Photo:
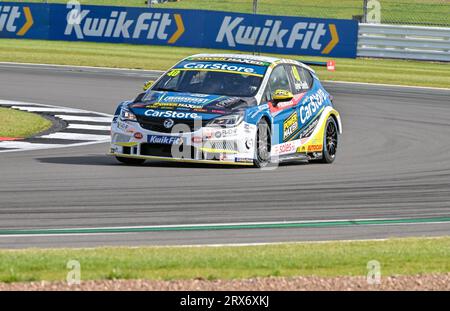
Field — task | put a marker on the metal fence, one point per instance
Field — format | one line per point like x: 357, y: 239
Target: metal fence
x: 406, y: 42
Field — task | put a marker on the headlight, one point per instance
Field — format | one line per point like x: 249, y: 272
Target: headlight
x: 227, y: 121
x: 127, y: 115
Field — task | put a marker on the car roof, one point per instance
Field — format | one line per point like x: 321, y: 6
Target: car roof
x: 259, y: 58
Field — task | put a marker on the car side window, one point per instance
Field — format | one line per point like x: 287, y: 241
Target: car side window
x: 301, y: 79
x: 308, y: 77
x: 279, y: 80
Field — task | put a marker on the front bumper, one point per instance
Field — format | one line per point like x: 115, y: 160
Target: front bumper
x: 233, y: 146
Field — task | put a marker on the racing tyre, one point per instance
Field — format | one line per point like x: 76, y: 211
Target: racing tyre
x: 330, y: 141
x: 130, y: 161
x: 263, y: 144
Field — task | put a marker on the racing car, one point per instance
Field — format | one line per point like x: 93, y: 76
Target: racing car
x: 229, y: 109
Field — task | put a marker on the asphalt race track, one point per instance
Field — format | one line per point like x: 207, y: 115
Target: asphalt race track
x: 393, y: 163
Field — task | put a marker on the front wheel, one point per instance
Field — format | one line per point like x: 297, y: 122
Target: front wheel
x: 263, y: 144
x: 130, y: 161
x: 330, y: 141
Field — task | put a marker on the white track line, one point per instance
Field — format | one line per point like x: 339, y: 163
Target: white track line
x: 76, y: 136
x: 12, y: 103
x: 23, y: 145
x: 85, y: 119
x: 89, y: 127
x: 388, y: 85
x: 47, y: 109
x: 89, y: 139
x: 24, y: 65
x: 18, y: 103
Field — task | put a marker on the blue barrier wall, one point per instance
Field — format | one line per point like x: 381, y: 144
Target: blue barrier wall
x: 188, y: 28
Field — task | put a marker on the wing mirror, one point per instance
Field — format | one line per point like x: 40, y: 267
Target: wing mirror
x: 148, y: 85
x: 281, y: 96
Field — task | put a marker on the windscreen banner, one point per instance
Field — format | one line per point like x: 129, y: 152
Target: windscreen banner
x: 185, y: 28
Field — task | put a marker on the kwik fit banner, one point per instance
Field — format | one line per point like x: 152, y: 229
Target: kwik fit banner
x: 188, y: 28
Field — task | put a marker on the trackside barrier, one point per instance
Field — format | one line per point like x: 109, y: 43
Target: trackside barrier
x: 406, y: 42
x: 186, y: 28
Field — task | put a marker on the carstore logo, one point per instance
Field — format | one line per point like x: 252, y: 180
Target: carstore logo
x: 117, y: 25
x: 11, y: 17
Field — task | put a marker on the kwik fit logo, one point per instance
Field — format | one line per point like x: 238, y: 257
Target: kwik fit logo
x: 118, y: 25
x: 15, y: 19
x: 302, y: 35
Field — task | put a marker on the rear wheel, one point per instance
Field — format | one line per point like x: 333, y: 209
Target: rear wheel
x: 130, y: 161
x: 263, y: 144
x: 330, y: 141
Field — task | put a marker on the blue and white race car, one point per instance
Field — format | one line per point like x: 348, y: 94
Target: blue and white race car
x: 229, y: 109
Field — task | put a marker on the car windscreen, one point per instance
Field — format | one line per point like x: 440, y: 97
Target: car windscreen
x: 220, y: 78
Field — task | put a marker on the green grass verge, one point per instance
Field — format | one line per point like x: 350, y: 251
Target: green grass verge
x: 162, y: 57
x: 397, y: 257
x: 392, y: 11
x: 15, y: 123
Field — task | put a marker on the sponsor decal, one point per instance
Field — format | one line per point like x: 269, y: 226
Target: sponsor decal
x: 137, y: 106
x: 309, y: 129
x: 138, y: 135
x: 298, y: 83
x: 168, y: 123
x: 223, y: 66
x: 185, y: 99
x: 122, y: 125
x: 219, y: 66
x: 286, y: 148
x: 245, y: 160
x: 290, y: 126
x: 11, y: 21
x: 230, y: 59
x: 166, y: 140
x: 197, y: 139
x: 194, y: 101
x: 313, y: 104
x: 225, y: 133
x: 171, y: 114
x: 313, y: 148
x: 172, y: 105
x: 200, y: 110
x: 218, y: 111
x: 226, y: 102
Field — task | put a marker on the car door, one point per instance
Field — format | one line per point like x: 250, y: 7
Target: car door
x: 285, y: 118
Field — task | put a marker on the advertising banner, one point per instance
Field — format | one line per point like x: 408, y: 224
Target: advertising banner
x: 185, y: 28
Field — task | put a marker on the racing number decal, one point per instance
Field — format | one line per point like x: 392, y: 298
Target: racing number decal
x: 174, y: 73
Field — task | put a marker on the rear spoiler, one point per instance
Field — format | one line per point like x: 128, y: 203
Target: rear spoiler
x: 331, y: 65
